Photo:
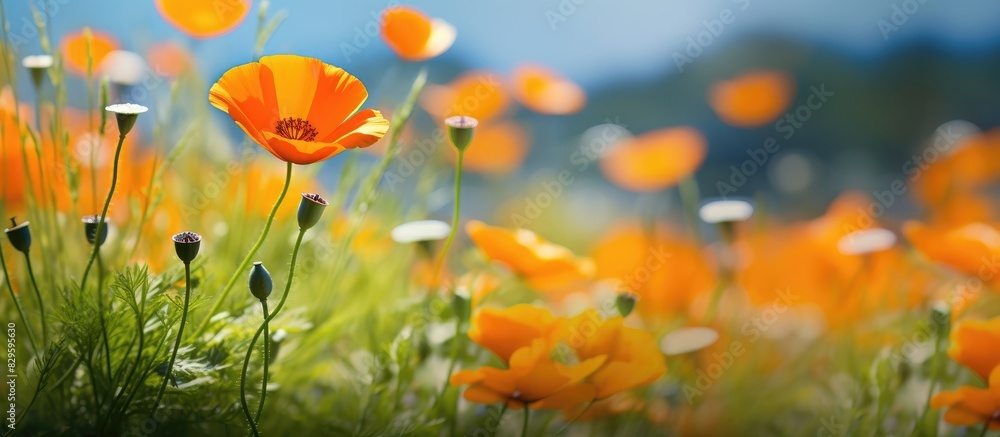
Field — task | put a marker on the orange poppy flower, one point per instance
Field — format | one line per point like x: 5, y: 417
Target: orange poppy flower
x: 963, y: 248
x: 973, y: 345
x: 496, y: 148
x: 969, y: 406
x: 477, y: 94
x: 655, y: 160
x: 504, y: 331
x: 532, y: 378
x: 633, y: 357
x: 543, y: 265
x: 204, y: 19
x: 75, y: 54
x: 168, y: 58
x: 299, y: 109
x: 413, y: 35
x: 545, y: 91
x: 752, y: 99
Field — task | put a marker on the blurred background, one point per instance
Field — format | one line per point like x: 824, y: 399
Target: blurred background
x: 897, y: 70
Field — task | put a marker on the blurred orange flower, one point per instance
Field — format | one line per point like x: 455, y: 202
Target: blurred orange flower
x: 204, y: 19
x: 413, y: 35
x: 969, y: 406
x: 973, y: 345
x: 543, y: 265
x: 752, y: 99
x: 532, y: 378
x: 633, y: 356
x: 496, y: 148
x: 75, y: 54
x: 503, y: 331
x: 655, y: 160
x: 299, y: 109
x: 479, y: 285
x: 477, y: 94
x: 545, y: 91
x: 965, y: 248
x: 168, y: 58
x: 947, y: 185
x: 666, y: 271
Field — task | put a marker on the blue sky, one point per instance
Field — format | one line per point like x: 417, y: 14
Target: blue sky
x: 592, y: 41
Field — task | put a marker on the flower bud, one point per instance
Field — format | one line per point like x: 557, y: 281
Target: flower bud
x: 187, y: 244
x: 460, y: 129
x: 126, y: 115
x: 90, y: 229
x: 625, y: 303
x: 310, y: 210
x: 260, y: 281
x: 37, y: 66
x: 19, y: 235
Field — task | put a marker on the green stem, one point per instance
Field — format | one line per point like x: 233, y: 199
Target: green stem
x: 267, y: 359
x: 986, y: 427
x: 256, y: 335
x: 454, y: 221
x: 41, y: 302
x: 503, y: 410
x: 574, y: 419
x: 452, y: 361
x: 17, y: 302
x: 180, y: 335
x: 688, y: 189
x: 100, y: 309
x: 253, y: 251
x: 140, y: 324
x: 527, y: 416
x: 104, y: 212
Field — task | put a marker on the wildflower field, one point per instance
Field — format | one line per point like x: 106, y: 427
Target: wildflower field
x: 266, y: 250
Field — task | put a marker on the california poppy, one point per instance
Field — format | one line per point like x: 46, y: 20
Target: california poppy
x: 969, y: 406
x: 545, y: 91
x: 545, y: 266
x: 413, y: 35
x: 204, y: 19
x: 75, y: 54
x: 532, y: 378
x: 298, y: 108
x: 752, y: 99
x: 504, y: 331
x: 477, y: 94
x: 973, y: 345
x: 633, y: 358
x: 655, y: 160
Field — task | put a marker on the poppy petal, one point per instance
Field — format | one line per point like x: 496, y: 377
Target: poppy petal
x: 298, y: 151
x: 362, y: 130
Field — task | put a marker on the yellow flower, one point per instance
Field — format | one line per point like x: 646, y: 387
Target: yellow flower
x: 633, y: 358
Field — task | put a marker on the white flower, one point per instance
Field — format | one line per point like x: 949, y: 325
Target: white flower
x: 127, y: 108
x: 421, y: 230
x: 687, y: 340
x: 37, y: 61
x: 123, y: 67
x: 461, y: 121
x: 721, y: 211
x: 866, y: 241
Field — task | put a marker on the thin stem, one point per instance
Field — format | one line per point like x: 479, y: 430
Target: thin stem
x: 100, y: 309
x: 267, y: 359
x: 527, y: 416
x: 104, y: 212
x: 574, y: 419
x: 454, y: 221
x: 41, y: 302
x: 253, y: 251
x: 986, y: 427
x: 256, y: 335
x: 503, y: 410
x: 180, y: 335
x: 17, y: 302
x: 689, y: 199
x: 452, y: 361
x: 140, y: 324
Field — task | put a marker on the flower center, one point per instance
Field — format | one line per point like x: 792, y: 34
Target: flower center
x: 296, y: 129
